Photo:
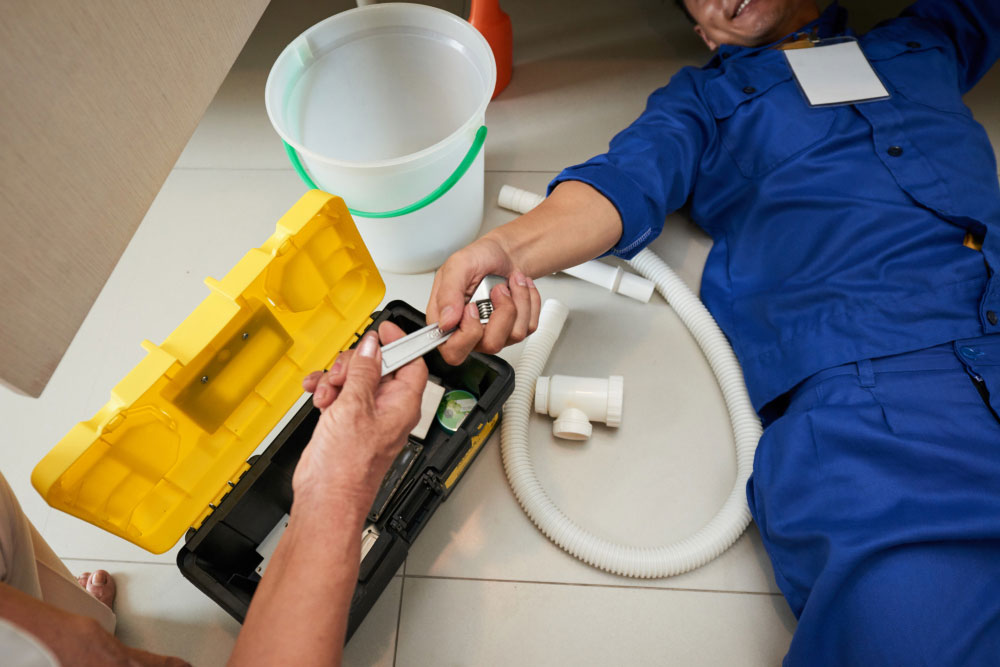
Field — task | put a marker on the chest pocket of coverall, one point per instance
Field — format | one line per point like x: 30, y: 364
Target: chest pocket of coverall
x: 897, y: 60
x: 762, y: 118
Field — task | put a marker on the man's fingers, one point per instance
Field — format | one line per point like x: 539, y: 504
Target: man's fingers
x: 465, y: 338
x: 310, y: 381
x: 330, y: 383
x: 536, y: 306
x: 364, y: 370
x: 413, y: 374
x: 501, y: 321
x: 520, y: 293
x: 389, y: 332
x: 448, y: 295
x: 432, y: 306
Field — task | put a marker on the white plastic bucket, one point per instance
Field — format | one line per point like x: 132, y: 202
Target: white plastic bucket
x: 382, y: 103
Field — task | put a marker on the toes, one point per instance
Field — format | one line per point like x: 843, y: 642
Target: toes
x: 83, y: 579
x: 102, y: 587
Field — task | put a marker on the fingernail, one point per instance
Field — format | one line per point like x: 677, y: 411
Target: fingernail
x: 504, y: 290
x: 472, y: 311
x: 520, y: 279
x: 531, y: 283
x: 369, y: 345
x: 100, y: 578
x: 321, y: 393
x: 336, y: 366
x: 448, y: 310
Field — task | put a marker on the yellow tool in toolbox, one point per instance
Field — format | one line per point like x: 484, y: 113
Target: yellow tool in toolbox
x: 179, y: 427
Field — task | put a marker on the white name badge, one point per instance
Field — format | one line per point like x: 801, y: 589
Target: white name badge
x: 835, y: 72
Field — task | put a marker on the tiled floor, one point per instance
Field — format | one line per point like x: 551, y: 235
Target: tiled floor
x: 481, y: 586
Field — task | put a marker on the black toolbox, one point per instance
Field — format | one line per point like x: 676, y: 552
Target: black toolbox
x: 221, y: 556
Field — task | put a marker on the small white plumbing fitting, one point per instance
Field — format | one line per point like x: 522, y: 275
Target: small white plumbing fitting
x: 518, y: 200
x: 576, y: 401
x: 614, y: 279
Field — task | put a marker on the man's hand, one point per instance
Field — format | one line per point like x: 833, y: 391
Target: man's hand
x: 575, y: 223
x: 515, y: 307
x: 92, y: 645
x: 364, y: 423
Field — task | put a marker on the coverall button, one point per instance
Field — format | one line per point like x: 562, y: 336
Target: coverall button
x: 991, y: 315
x: 895, y: 151
x: 968, y: 352
x: 749, y: 90
x: 913, y: 45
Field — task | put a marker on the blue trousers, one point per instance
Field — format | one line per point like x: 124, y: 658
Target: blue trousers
x: 877, y: 495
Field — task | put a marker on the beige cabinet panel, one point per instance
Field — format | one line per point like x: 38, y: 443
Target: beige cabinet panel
x: 97, y: 100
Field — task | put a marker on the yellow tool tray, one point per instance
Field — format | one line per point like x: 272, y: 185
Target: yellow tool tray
x: 158, y: 457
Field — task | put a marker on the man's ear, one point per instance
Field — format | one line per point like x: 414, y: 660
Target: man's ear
x: 708, y: 42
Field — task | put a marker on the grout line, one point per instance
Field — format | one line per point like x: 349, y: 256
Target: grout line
x: 120, y: 561
x: 399, y: 616
x: 229, y: 168
x: 618, y: 586
x: 555, y: 172
x: 284, y: 170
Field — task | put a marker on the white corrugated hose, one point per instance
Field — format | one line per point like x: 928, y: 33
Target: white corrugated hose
x: 642, y: 562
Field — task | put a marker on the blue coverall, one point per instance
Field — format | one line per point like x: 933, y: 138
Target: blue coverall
x: 845, y: 272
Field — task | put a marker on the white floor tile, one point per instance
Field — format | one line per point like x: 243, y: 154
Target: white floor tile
x: 374, y: 643
x: 591, y: 30
x: 642, y: 493
x: 449, y: 622
x: 159, y: 611
x: 555, y: 113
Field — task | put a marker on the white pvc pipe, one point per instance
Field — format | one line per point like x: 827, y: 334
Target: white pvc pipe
x: 518, y: 200
x: 613, y: 279
x: 644, y: 562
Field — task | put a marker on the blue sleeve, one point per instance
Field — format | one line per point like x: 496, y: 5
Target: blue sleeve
x: 972, y: 26
x: 650, y: 167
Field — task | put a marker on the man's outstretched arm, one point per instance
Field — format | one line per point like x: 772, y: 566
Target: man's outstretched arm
x: 616, y: 201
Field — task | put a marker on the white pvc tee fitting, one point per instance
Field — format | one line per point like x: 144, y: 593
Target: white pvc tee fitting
x: 576, y: 401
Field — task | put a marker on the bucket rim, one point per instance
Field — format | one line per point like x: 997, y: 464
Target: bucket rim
x: 469, y: 127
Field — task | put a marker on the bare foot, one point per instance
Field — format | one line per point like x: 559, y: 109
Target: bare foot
x: 99, y: 584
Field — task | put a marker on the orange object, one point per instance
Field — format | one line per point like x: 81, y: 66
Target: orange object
x: 487, y: 17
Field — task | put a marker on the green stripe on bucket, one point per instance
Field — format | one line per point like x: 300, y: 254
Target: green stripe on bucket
x: 463, y: 166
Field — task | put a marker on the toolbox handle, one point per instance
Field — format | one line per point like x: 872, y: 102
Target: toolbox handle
x: 463, y: 166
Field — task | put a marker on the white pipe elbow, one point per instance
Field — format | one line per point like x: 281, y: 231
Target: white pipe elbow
x: 575, y: 402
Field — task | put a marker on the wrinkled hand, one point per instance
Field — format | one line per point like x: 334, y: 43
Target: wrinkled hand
x: 515, y: 306
x: 87, y: 643
x: 364, y: 422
